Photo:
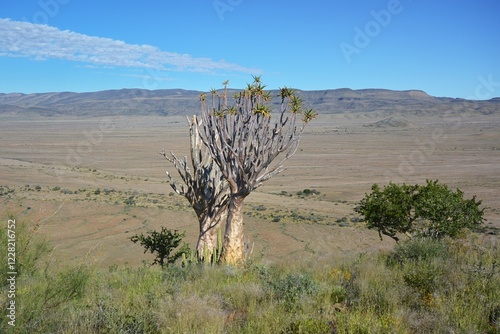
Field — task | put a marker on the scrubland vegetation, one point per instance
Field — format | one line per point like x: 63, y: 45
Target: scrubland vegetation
x: 421, y: 286
x: 443, y: 278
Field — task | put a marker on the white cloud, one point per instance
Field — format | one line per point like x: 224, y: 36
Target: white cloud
x: 40, y: 42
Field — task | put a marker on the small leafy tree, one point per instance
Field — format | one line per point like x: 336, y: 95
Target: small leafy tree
x: 432, y: 210
x: 163, y: 244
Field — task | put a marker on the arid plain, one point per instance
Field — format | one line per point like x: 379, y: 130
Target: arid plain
x: 92, y: 183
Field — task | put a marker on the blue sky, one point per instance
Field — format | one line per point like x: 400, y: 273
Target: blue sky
x: 446, y: 48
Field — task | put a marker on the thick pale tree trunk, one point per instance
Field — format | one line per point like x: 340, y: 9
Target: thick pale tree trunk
x: 207, y: 240
x: 233, y: 247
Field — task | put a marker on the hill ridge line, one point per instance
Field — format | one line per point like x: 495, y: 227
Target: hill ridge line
x: 136, y: 101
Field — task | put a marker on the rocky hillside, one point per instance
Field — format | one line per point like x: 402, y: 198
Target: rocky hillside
x: 185, y: 102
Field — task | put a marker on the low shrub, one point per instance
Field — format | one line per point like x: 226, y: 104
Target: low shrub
x: 418, y: 249
x: 289, y: 288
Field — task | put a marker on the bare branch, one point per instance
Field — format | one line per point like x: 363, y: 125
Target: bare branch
x: 203, y: 184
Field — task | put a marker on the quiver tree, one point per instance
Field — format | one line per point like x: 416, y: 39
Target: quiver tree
x: 204, y: 186
x: 244, y: 140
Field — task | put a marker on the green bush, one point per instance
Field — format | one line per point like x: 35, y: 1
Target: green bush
x: 431, y: 211
x: 130, y: 201
x: 416, y: 250
x: 422, y: 277
x: 163, y: 244
x: 290, y: 288
x: 308, y: 192
x: 338, y: 294
x: 4, y: 190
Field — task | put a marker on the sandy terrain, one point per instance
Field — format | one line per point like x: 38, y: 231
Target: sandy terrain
x: 102, y: 180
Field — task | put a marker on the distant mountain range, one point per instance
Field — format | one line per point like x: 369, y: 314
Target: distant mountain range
x: 186, y: 102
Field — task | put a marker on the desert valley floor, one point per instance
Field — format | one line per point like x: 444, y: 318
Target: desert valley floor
x: 91, y: 184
